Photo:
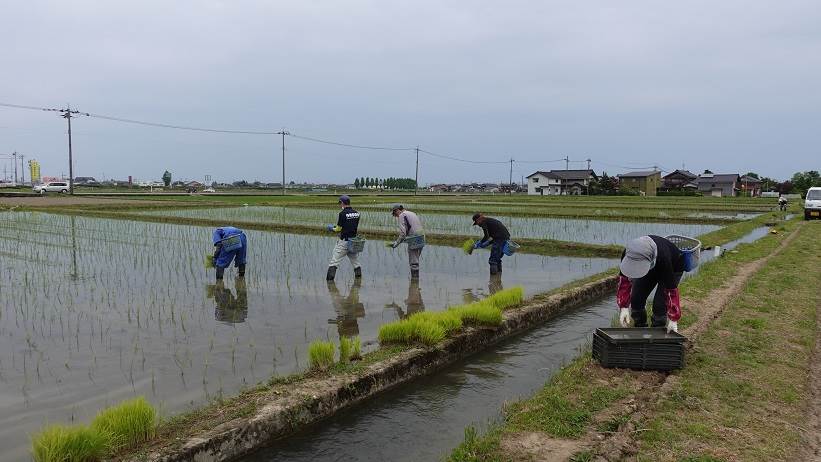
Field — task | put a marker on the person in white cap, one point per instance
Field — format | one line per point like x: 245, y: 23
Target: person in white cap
x: 650, y: 262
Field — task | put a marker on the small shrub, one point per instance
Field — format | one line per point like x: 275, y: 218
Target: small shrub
x: 59, y: 443
x: 344, y: 349
x: 321, y: 354
x: 356, y: 350
x: 128, y: 423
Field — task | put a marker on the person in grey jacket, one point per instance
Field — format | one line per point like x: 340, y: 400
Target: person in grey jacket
x: 409, y: 225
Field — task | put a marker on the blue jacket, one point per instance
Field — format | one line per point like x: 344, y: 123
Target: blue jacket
x: 223, y: 232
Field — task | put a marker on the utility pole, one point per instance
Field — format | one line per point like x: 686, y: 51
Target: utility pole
x: 14, y: 159
x: 510, y: 179
x: 416, y: 186
x: 68, y: 114
x: 283, y: 133
x: 22, y: 169
x: 588, y: 163
x: 567, y: 162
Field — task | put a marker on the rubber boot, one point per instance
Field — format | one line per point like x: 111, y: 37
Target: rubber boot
x: 242, y: 271
x: 414, y: 274
x: 357, y: 272
x: 331, y: 273
x: 494, y: 268
x: 220, y: 272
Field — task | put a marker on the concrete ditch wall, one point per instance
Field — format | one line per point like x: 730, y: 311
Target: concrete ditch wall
x: 317, y: 399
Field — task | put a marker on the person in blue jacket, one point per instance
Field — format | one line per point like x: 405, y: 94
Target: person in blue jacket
x: 230, y: 244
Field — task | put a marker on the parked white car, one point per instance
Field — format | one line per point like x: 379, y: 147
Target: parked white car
x: 209, y: 190
x: 52, y: 186
x: 812, y: 203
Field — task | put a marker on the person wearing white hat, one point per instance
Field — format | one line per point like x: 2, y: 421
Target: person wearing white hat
x: 650, y: 262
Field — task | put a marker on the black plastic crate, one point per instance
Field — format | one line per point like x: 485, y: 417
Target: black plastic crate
x: 644, y: 348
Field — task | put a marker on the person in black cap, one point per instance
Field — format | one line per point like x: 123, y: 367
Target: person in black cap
x: 495, y: 236
x: 647, y: 262
x: 346, y: 226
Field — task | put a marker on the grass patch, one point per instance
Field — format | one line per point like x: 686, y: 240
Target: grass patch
x: 321, y: 355
x: 128, y: 423
x: 345, y: 345
x: 60, y: 443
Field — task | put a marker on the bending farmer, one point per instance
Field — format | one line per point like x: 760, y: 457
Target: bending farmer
x: 409, y: 225
x: 229, y: 244
x: 346, y: 226
x: 649, y: 262
x: 496, y: 235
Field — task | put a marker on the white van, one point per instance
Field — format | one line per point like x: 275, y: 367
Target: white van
x: 812, y: 203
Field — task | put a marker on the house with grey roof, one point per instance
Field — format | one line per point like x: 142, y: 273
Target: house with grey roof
x: 679, y: 180
x: 718, y: 184
x: 560, y: 182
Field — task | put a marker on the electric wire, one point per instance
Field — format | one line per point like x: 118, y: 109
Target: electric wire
x: 445, y: 156
x: 346, y: 145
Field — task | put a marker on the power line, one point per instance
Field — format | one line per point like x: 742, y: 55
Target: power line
x: 346, y: 145
x: 445, y: 156
x: 182, y: 127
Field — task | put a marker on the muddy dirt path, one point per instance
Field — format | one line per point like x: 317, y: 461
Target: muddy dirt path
x: 650, y: 388
x: 811, y: 447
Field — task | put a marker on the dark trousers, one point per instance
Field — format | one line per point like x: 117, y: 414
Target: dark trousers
x: 638, y: 301
x: 496, y: 253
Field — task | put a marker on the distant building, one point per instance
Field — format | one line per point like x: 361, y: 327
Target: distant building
x: 84, y: 180
x: 718, y: 184
x: 750, y: 186
x: 560, y: 182
x: 646, y: 182
x: 679, y: 180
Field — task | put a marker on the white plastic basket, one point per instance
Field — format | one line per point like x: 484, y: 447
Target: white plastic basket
x: 690, y: 247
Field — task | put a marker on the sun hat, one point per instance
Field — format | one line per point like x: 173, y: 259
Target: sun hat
x: 639, y: 257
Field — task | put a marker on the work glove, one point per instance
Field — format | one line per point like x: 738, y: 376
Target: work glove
x: 624, y: 291
x: 672, y: 326
x: 390, y: 245
x: 673, y: 301
x: 624, y: 317
x: 334, y: 228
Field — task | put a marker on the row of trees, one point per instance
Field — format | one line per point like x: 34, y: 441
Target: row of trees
x: 385, y: 183
x: 798, y: 184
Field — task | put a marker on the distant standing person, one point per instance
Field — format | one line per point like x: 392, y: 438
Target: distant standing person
x: 647, y: 262
x: 346, y: 225
x: 230, y: 244
x: 495, y: 236
x: 409, y: 225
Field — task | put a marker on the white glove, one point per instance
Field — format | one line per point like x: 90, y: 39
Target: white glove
x: 624, y: 317
x: 672, y: 326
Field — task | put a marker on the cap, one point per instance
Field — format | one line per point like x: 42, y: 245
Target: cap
x: 344, y: 199
x: 639, y: 257
x: 476, y: 217
x: 395, y: 207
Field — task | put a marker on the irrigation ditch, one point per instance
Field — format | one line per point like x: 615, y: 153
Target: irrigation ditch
x: 285, y: 406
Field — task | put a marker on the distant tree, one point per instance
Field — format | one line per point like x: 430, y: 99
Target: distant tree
x: 785, y: 187
x: 752, y: 175
x: 166, y: 178
x: 802, y: 181
x: 356, y: 183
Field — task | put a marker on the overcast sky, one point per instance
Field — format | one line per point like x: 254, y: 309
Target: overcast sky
x: 732, y: 86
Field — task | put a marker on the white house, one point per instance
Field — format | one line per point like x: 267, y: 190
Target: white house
x: 559, y: 182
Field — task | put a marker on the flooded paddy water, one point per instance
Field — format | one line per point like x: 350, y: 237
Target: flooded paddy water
x: 98, y: 310
x: 563, y: 229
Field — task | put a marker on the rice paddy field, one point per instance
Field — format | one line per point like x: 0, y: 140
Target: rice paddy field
x: 99, y: 310
x: 376, y: 218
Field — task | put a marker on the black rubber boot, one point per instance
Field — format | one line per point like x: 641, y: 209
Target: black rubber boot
x: 331, y: 273
x: 242, y: 271
x: 494, y: 269
x: 220, y: 272
x: 414, y: 274
x: 357, y: 272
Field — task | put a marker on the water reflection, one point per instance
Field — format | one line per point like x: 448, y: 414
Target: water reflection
x: 494, y: 284
x: 230, y: 308
x: 413, y: 303
x: 348, y: 309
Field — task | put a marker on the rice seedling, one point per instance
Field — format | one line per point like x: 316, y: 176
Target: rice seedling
x: 356, y: 348
x: 467, y: 246
x: 60, y: 443
x: 481, y: 313
x: 128, y: 423
x: 209, y: 261
x: 345, y: 345
x: 396, y: 332
x: 428, y: 332
x: 507, y: 298
x: 447, y: 320
x: 321, y: 354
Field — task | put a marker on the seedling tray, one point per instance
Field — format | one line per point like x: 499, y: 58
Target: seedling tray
x: 640, y: 348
